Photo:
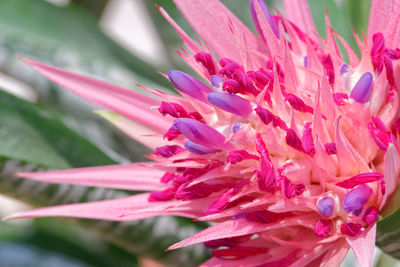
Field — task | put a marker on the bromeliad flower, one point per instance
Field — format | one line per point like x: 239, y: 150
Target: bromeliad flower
x: 288, y: 150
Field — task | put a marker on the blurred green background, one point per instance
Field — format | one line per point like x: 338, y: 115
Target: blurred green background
x: 122, y: 41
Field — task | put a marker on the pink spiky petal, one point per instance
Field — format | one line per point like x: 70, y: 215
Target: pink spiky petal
x: 134, y: 176
x: 234, y: 228
x: 392, y: 168
x: 141, y: 133
x: 130, y: 208
x: 391, y: 29
x: 210, y: 20
x: 380, y: 14
x: 123, y: 101
x: 299, y: 13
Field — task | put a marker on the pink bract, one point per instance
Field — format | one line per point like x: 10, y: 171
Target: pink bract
x: 288, y: 150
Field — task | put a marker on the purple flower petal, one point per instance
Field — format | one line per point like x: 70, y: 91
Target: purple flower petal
x: 326, y: 206
x: 356, y: 198
x: 188, y: 85
x: 344, y: 69
x: 216, y: 81
x: 198, y: 149
x: 199, y: 132
x: 362, y: 90
x: 231, y: 103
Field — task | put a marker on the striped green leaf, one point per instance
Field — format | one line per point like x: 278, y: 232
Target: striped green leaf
x: 388, y: 234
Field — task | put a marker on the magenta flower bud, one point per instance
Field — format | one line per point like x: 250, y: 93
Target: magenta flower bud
x: 293, y: 140
x: 339, y: 98
x: 307, y: 140
x: 326, y: 61
x: 326, y: 206
x: 298, y: 104
x: 199, y: 133
x: 263, y: 216
x: 222, y: 202
x: 227, y: 61
x: 173, y: 109
x: 219, y: 243
x: 370, y: 215
x: 181, y: 179
x: 198, y: 149
x: 188, y: 85
x: 381, y: 136
x: 265, y: 115
x: 377, y: 51
x: 206, y: 60
x: 164, y: 195
x: 216, y: 81
x: 264, y: 9
x: 322, y: 228
x: 245, y: 82
x: 383, y: 186
x: 330, y: 148
x: 286, y: 187
x: 197, y: 191
x: 396, y: 128
x: 171, y: 134
x: 355, y: 199
x: 361, y: 178
x: 239, y: 155
x: 266, y: 175
x: 299, y: 188
x: 229, y: 67
x: 231, y: 86
x: 168, y: 151
x: 167, y: 177
x: 362, y: 90
x: 351, y: 229
x: 231, y: 103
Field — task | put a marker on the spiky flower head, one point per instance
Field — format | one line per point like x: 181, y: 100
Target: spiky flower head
x: 290, y: 151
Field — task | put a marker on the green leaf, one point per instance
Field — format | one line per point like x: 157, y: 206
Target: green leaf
x: 96, y: 7
x: 26, y: 255
x: 67, y: 36
x: 388, y: 234
x: 40, y: 245
x: 344, y: 16
x: 385, y: 260
x: 29, y: 134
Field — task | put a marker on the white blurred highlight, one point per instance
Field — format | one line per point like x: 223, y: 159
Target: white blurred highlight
x: 128, y: 23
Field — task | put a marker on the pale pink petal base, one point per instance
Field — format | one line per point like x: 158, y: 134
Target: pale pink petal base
x: 363, y: 246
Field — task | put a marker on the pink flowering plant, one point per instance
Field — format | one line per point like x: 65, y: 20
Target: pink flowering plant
x: 288, y: 148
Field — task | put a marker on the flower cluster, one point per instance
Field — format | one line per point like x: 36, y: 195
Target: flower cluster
x: 291, y: 152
